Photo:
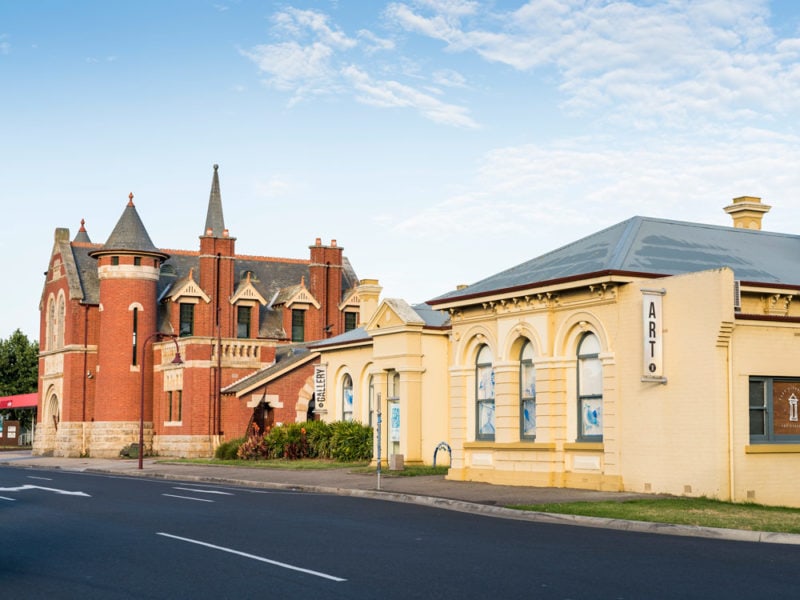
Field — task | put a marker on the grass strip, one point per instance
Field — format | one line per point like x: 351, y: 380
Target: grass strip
x: 701, y: 512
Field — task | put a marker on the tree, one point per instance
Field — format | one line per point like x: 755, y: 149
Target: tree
x: 19, y: 372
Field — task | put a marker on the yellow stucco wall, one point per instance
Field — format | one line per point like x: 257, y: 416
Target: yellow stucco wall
x: 688, y: 436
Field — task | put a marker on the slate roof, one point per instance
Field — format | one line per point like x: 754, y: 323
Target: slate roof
x: 129, y: 234
x: 654, y: 247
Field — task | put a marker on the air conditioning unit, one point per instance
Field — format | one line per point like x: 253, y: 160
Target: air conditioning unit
x: 737, y: 295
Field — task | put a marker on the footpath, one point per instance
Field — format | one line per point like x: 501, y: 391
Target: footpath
x: 428, y: 490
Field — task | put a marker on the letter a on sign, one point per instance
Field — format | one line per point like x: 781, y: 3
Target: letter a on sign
x: 652, y: 336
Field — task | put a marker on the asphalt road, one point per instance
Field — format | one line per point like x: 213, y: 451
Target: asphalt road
x: 80, y: 535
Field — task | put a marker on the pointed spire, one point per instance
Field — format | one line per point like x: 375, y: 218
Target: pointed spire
x: 82, y: 236
x: 215, y: 222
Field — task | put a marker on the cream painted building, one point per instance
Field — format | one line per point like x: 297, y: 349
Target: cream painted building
x: 396, y: 362
x: 653, y: 356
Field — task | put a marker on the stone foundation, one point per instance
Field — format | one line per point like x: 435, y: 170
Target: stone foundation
x: 185, y: 446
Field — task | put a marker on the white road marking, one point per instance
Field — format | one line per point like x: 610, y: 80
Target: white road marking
x: 42, y: 478
x: 4, y: 498
x: 253, y: 556
x: 38, y: 487
x: 187, y: 498
x: 201, y: 491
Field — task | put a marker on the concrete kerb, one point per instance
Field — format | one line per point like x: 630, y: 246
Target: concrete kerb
x: 466, y: 507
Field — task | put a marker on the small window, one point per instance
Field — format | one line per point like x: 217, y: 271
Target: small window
x: 774, y: 414
x: 186, y: 326
x: 137, y: 261
x: 243, y: 319
x: 298, y: 325
x: 590, y: 390
x: 527, y: 393
x: 484, y: 395
x: 350, y: 320
x: 135, y: 349
x: 115, y: 261
x: 347, y: 398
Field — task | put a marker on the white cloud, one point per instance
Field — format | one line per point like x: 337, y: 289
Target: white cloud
x: 317, y: 58
x: 5, y: 45
x: 660, y: 62
x: 392, y: 94
x: 580, y: 185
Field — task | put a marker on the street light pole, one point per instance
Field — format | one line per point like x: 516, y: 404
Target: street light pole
x: 175, y: 361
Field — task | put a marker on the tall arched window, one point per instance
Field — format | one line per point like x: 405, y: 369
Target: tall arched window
x: 590, y: 390
x: 60, y: 320
x: 347, y: 398
x: 527, y: 393
x: 484, y: 395
x: 50, y: 331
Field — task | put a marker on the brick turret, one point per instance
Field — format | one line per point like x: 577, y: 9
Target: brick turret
x: 128, y: 270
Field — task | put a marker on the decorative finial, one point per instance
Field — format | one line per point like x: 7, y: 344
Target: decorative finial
x: 130, y: 199
x: 216, y: 167
x: 83, y: 223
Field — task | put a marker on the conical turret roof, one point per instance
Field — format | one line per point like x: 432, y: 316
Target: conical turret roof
x: 129, y: 235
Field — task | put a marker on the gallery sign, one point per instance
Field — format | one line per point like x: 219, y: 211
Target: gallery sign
x: 320, y: 388
x: 653, y: 336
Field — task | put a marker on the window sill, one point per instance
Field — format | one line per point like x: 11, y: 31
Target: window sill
x: 584, y: 446
x: 173, y: 423
x: 489, y: 445
x: 767, y: 448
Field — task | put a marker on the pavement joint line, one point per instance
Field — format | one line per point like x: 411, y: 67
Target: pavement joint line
x: 460, y: 506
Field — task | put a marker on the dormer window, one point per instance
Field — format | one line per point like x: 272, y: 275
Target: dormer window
x: 186, y: 326
x: 243, y: 321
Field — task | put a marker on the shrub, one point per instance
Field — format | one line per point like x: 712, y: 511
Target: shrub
x: 351, y: 441
x: 318, y: 434
x: 253, y: 448
x: 227, y: 450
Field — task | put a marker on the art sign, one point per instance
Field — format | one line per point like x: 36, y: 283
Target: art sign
x: 653, y: 336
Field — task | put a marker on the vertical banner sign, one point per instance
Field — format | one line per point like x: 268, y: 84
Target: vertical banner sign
x: 320, y: 388
x: 653, y: 337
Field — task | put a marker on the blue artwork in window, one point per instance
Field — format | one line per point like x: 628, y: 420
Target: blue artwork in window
x: 592, y: 416
x: 529, y: 418
x: 486, y: 418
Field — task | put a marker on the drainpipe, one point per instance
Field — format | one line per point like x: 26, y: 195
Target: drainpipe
x: 731, y: 465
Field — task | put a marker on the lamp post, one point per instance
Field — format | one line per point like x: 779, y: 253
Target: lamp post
x: 175, y: 361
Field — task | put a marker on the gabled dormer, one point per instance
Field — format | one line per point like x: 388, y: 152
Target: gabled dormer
x: 246, y: 300
x: 184, y: 296
x: 297, y: 302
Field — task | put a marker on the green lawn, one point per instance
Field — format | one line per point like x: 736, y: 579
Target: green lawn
x: 702, y: 512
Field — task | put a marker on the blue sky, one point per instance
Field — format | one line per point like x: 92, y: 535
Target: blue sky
x: 438, y: 141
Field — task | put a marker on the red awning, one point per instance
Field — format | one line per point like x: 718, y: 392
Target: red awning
x: 19, y: 401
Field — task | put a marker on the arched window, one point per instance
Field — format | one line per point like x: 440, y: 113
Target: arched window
x: 527, y: 393
x: 50, y: 331
x: 590, y: 390
x: 347, y: 398
x: 60, y: 321
x: 484, y: 395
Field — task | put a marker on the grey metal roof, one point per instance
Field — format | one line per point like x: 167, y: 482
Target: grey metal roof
x: 431, y: 317
x: 655, y: 247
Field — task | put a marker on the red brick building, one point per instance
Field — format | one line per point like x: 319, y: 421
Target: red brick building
x: 114, y: 315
